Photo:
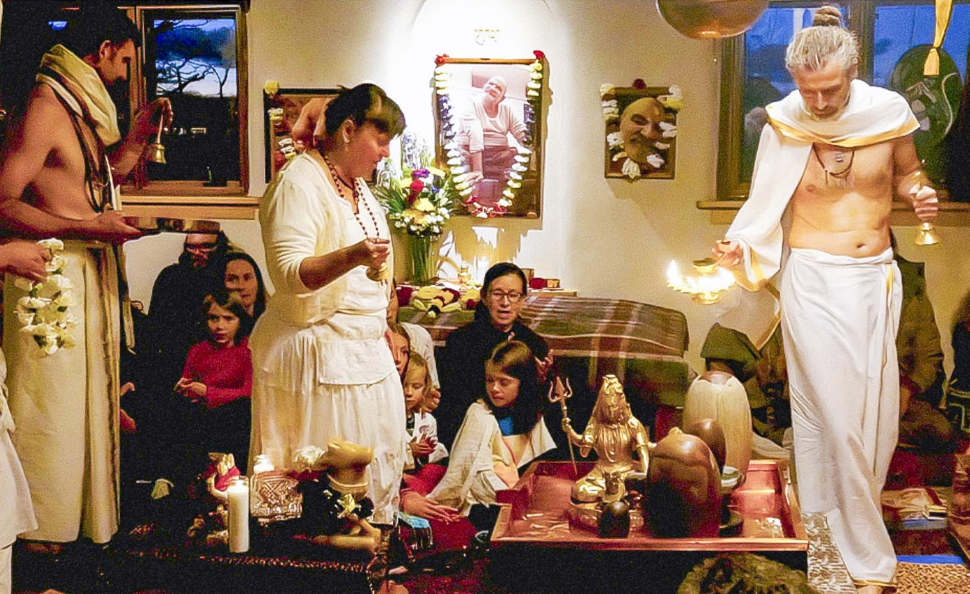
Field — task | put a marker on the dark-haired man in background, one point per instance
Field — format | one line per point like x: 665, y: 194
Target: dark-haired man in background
x: 56, y: 180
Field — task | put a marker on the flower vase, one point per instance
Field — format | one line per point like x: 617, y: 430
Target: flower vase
x: 424, y: 258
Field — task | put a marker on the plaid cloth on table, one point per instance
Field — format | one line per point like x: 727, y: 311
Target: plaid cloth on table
x: 643, y: 345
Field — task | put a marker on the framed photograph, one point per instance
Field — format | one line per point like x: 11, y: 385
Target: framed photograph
x: 641, y: 130
x: 489, y: 125
x: 281, y: 108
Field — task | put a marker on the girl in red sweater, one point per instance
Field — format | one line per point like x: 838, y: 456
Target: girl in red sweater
x: 217, y: 378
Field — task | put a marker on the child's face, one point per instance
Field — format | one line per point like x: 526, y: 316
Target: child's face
x: 414, y: 387
x: 223, y: 325
x: 502, y: 388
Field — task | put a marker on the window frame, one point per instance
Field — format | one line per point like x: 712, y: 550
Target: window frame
x: 190, y: 199
x: 731, y: 191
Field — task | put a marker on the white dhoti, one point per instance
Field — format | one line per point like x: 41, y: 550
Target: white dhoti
x: 839, y: 318
x: 66, y: 405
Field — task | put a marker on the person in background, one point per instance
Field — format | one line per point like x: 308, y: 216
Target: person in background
x: 173, y: 314
x: 462, y: 363
x: 424, y: 449
x: 217, y: 382
x: 501, y: 433
x: 243, y: 276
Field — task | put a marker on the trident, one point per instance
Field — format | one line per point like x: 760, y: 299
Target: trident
x: 559, y: 393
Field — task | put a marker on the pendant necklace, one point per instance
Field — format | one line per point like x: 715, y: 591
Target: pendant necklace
x: 838, y: 179
x: 375, y: 274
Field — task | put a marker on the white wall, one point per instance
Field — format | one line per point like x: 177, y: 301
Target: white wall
x: 610, y: 238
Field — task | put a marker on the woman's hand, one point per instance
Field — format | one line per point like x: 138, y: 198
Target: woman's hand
x: 417, y: 504
x: 372, y: 252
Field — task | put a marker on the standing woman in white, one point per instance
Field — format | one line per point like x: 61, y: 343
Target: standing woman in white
x: 321, y: 368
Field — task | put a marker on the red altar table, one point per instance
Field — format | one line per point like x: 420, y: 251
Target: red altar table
x: 536, y: 548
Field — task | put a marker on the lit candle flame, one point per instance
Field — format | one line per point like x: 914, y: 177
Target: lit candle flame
x: 703, y: 288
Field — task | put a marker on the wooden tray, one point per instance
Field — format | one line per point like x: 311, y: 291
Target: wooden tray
x: 532, y: 525
x: 173, y: 225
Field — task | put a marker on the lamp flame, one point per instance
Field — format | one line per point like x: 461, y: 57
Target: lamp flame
x: 706, y: 287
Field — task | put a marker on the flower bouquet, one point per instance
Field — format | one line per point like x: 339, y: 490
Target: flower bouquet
x: 419, y: 200
x: 43, y: 311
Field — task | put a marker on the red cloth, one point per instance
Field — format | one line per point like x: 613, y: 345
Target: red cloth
x: 227, y: 372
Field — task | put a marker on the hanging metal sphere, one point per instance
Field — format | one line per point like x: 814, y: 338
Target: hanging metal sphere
x: 711, y: 19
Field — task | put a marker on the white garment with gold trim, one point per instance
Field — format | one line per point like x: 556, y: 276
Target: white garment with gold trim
x: 839, y: 320
x: 66, y: 405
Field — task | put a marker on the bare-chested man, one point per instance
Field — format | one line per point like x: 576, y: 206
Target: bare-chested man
x: 56, y: 179
x: 836, y: 152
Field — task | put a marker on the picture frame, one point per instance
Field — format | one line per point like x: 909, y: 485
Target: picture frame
x: 490, y: 136
x: 640, y: 139
x: 281, y: 108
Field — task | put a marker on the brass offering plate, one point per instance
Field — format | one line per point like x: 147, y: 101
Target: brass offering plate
x: 172, y: 225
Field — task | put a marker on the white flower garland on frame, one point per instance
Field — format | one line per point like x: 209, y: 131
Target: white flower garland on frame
x: 673, y: 101
x: 456, y: 161
x: 43, y: 312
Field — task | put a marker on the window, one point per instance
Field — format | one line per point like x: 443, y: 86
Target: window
x: 194, y: 54
x: 894, y: 37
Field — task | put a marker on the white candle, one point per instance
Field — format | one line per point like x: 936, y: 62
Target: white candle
x: 262, y: 464
x: 238, y: 515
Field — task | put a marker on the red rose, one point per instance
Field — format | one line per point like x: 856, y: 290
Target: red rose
x: 539, y: 55
x: 441, y: 59
x: 416, y: 187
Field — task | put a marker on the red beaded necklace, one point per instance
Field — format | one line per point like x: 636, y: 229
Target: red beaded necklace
x: 355, y: 188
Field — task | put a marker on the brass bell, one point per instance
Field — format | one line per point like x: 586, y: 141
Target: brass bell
x: 927, y: 234
x: 156, y: 150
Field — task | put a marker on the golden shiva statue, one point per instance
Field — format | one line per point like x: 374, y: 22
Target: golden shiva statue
x: 614, y: 434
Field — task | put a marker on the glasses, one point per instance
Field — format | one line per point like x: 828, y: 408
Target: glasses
x: 200, y: 247
x: 500, y: 296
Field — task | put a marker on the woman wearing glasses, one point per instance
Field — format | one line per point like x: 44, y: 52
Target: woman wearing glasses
x: 461, y: 367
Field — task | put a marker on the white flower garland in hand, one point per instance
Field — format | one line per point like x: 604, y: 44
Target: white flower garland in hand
x: 43, y: 312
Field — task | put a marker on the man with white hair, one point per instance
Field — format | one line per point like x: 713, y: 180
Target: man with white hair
x: 829, y: 163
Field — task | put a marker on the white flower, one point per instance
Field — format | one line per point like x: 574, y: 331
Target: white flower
x: 670, y: 130
x: 655, y: 161
x: 26, y: 318
x: 23, y: 284
x: 53, y: 244
x: 65, y: 300
x: 607, y: 89
x: 661, y: 145
x: 614, y: 140
x: 631, y: 169
x: 33, y: 303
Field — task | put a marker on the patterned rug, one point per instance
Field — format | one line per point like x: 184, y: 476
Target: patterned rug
x: 932, y: 578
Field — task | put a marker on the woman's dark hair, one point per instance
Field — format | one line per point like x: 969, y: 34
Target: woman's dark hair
x: 260, y: 306
x: 495, y: 272
x: 365, y: 103
x: 230, y: 302
x: 223, y: 246
x: 96, y: 23
x: 516, y: 359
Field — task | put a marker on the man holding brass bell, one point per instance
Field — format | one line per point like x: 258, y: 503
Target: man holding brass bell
x: 835, y: 153
x: 56, y: 180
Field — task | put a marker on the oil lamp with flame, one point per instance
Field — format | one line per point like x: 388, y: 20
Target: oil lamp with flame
x: 704, y: 287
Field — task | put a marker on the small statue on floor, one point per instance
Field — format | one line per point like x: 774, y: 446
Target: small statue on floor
x: 336, y: 506
x: 615, y: 435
